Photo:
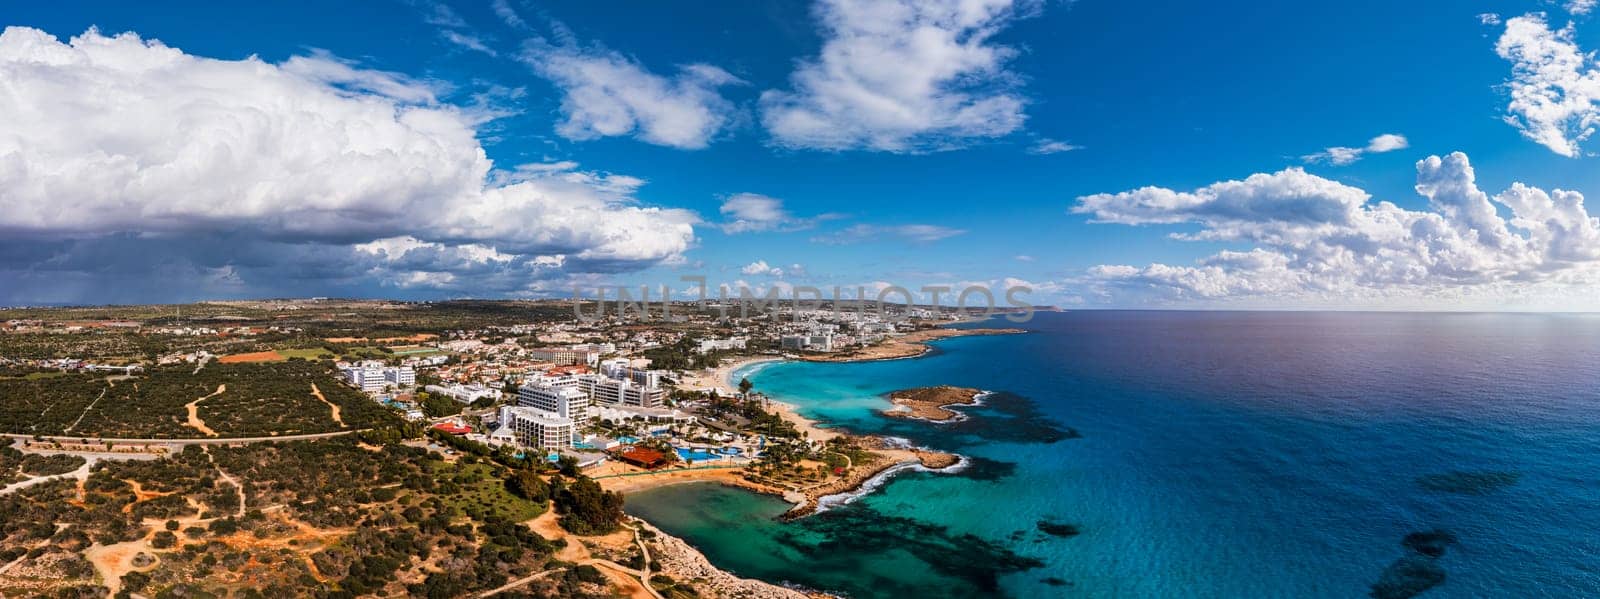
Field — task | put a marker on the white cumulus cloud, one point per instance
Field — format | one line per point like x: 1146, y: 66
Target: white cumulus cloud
x: 760, y: 267
x: 1554, y: 84
x: 753, y: 212
x: 901, y: 76
x: 111, y: 136
x: 1341, y: 155
x: 607, y: 94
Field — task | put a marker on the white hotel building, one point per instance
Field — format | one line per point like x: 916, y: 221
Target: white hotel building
x: 551, y: 409
x: 403, y: 376
x: 533, y: 427
x: 559, y: 395
x: 373, y: 376
x: 623, y: 392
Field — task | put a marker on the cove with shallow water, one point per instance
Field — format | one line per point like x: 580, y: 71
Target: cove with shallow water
x: 1202, y: 454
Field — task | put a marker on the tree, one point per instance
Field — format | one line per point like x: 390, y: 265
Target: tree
x: 436, y: 406
x: 745, y: 385
x: 588, y: 509
x: 568, y: 465
x: 163, y: 540
x: 528, y: 485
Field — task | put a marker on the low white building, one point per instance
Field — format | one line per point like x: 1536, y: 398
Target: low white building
x: 620, y: 414
x: 464, y: 393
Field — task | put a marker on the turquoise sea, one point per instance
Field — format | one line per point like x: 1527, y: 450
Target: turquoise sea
x: 1205, y: 455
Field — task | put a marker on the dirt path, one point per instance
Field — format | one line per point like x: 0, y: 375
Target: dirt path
x: 141, y: 495
x: 638, y: 540
x: 97, y: 399
x: 519, y: 582
x: 633, y: 583
x: 636, y: 588
x: 331, y: 406
x: 230, y: 480
x: 547, y: 527
x: 194, y: 412
x: 13, y: 564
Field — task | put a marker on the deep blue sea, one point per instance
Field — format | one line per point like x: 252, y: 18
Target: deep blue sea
x: 1215, y: 455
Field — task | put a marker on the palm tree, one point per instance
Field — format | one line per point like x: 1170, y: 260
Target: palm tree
x: 745, y: 385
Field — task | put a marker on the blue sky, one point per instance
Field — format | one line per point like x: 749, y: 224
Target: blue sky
x: 641, y: 128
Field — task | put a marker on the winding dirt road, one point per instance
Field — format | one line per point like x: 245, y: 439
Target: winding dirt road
x: 193, y: 407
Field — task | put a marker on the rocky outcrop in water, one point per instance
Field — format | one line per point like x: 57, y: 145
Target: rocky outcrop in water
x: 931, y: 403
x: 1464, y: 482
x: 1418, y: 570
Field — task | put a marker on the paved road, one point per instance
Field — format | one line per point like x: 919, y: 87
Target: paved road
x: 80, y: 474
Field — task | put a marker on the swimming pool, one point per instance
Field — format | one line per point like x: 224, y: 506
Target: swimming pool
x: 698, y: 455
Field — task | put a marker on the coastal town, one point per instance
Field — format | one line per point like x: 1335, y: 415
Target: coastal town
x: 617, y: 405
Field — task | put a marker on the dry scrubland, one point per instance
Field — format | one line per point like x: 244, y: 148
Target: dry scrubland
x: 260, y: 400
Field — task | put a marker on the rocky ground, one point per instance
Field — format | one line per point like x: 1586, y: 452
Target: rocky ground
x: 931, y: 403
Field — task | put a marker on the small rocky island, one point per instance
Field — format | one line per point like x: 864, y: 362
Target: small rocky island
x: 931, y: 403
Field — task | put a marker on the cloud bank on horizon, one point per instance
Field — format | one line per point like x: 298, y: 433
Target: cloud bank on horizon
x: 1319, y: 241
x: 131, y: 170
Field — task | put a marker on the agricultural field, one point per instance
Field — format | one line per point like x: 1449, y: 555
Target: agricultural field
x: 252, y: 357
x: 306, y: 353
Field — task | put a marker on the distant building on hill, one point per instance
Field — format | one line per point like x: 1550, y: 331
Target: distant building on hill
x: 822, y: 343
x: 710, y: 345
x: 372, y: 376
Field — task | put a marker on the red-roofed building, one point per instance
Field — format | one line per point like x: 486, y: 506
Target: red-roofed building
x: 452, y: 428
x: 642, y: 457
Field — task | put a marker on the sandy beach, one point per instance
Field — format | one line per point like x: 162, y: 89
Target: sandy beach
x: 678, y: 558
x: 718, y: 379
